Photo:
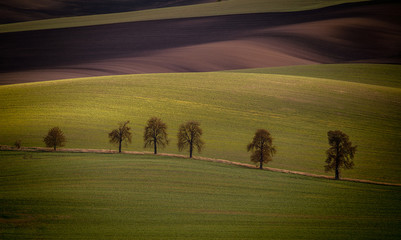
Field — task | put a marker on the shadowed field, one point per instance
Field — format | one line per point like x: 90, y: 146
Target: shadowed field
x: 347, y: 33
x: 103, y: 196
x: 21, y: 10
x: 122, y: 10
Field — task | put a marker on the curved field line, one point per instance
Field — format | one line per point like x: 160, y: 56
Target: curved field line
x: 105, y: 151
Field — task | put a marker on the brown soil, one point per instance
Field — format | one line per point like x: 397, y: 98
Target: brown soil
x: 363, y: 32
x: 104, y: 151
x: 28, y: 10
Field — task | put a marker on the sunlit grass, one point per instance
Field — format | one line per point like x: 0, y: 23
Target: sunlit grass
x: 376, y: 74
x: 298, y: 111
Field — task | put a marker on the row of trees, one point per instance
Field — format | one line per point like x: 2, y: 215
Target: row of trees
x: 340, y: 154
x: 155, y: 135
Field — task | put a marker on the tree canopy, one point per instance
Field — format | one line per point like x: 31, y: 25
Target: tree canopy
x: 121, y: 134
x: 55, y: 138
x: 155, y: 134
x: 262, y: 147
x: 340, y: 154
x: 189, y: 135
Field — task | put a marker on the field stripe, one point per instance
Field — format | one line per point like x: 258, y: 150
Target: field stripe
x: 108, y: 151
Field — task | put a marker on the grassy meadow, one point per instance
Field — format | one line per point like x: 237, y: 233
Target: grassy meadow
x: 375, y: 74
x: 199, y: 10
x: 297, y: 110
x: 117, y: 196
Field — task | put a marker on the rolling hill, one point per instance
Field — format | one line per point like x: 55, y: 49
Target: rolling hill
x: 20, y: 10
x: 103, y: 196
x: 375, y: 74
x: 298, y: 69
x: 55, y: 12
x: 360, y: 32
x: 296, y: 102
x: 230, y: 106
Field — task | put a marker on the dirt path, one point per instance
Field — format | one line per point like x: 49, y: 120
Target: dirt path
x: 105, y: 151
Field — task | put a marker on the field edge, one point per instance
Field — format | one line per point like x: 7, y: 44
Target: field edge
x: 6, y: 148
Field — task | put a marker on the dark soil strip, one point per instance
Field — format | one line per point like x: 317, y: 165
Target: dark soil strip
x: 363, y: 32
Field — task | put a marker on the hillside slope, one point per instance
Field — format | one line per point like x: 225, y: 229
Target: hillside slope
x: 20, y: 10
x: 102, y: 196
x: 387, y: 75
x: 350, y: 33
x: 298, y: 111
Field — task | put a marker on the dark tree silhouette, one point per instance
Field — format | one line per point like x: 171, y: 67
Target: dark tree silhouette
x: 54, y: 138
x: 262, y: 147
x: 18, y: 144
x: 120, y: 134
x: 189, y: 135
x: 155, y: 134
x: 340, y: 154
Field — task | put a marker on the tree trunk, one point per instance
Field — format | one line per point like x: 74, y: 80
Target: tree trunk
x: 261, y: 158
x: 337, y: 177
x: 155, y: 144
x: 337, y: 172
x: 55, y: 144
x: 190, y: 150
x: 119, y: 146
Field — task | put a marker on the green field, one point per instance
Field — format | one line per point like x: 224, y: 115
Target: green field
x: 298, y: 111
x: 375, y: 74
x: 114, y: 196
x: 224, y: 7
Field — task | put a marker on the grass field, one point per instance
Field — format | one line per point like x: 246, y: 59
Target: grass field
x: 112, y: 196
x: 298, y: 111
x: 375, y: 74
x: 200, y: 10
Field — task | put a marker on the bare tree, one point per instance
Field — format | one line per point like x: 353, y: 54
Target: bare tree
x: 121, y: 134
x: 54, y: 138
x: 189, y: 135
x: 155, y: 134
x: 262, y: 147
x: 340, y: 154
